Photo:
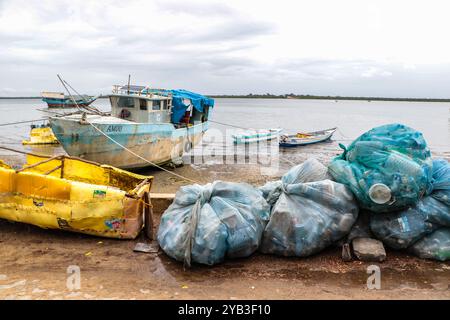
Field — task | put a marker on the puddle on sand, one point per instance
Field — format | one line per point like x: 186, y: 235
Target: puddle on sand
x: 391, y: 279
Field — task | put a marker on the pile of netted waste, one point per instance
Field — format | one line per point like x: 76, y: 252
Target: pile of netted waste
x: 383, y: 189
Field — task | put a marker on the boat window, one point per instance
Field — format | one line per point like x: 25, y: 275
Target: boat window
x: 163, y: 105
x: 125, y: 102
x: 143, y: 104
x: 156, y: 105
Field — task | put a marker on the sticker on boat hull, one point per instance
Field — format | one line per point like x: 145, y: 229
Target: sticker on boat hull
x: 113, y: 224
x: 99, y: 194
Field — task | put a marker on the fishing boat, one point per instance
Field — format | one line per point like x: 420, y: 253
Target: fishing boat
x: 145, y: 127
x: 75, y: 195
x: 301, y: 139
x: 250, y: 136
x: 60, y: 100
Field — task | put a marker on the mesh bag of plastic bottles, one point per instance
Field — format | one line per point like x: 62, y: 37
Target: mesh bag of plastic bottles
x: 308, y: 216
x: 401, y: 229
x: 387, y: 168
x: 441, y: 181
x: 309, y: 171
x: 433, y: 246
x: 206, y: 223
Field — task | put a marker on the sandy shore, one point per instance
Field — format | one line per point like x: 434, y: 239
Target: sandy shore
x: 34, y: 262
x: 34, y: 265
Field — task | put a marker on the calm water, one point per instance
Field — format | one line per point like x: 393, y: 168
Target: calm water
x: 351, y: 117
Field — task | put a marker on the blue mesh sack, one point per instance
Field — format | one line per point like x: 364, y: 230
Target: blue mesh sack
x: 309, y: 171
x: 206, y: 223
x: 401, y: 229
x: 387, y: 168
x: 307, y: 217
x: 433, y: 246
x: 441, y: 181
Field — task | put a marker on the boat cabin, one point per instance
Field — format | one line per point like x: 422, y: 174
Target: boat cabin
x: 52, y: 95
x: 144, y: 105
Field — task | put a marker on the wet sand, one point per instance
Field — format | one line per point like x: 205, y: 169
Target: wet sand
x: 34, y: 262
x: 34, y: 265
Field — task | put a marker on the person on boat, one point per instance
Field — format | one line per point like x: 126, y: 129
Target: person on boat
x: 187, y: 116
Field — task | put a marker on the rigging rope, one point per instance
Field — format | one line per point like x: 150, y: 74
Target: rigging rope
x: 20, y: 122
x: 24, y: 152
x: 343, y: 135
x: 87, y: 106
x: 226, y: 124
x: 91, y: 109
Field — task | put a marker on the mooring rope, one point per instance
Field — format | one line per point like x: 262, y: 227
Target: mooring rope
x: 25, y: 152
x: 21, y: 122
x: 346, y: 138
x: 227, y: 124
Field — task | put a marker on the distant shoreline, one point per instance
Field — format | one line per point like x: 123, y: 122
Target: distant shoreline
x: 312, y: 97
x: 294, y: 97
x: 15, y: 98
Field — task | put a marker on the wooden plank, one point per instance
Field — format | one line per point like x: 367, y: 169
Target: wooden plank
x: 168, y: 196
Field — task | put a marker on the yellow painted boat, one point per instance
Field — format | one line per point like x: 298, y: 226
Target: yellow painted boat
x: 41, y: 135
x: 75, y: 195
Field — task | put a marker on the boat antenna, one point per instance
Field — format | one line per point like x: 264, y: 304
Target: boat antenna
x: 129, y: 78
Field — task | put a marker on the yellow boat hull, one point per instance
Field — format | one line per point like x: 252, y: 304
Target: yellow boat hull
x: 41, y: 136
x: 75, y: 195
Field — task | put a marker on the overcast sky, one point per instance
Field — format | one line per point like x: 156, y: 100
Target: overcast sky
x: 358, y: 48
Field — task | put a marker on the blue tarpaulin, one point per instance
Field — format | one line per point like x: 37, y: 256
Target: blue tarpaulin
x: 198, y: 101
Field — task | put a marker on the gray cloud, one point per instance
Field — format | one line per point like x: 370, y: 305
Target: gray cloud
x: 171, y: 55
x: 94, y: 48
x: 236, y: 29
x: 196, y: 9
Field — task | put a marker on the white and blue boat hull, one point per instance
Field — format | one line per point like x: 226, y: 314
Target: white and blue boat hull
x: 157, y: 143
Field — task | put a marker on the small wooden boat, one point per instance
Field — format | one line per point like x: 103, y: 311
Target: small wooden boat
x: 301, y: 139
x: 75, y: 195
x: 250, y: 136
x: 60, y: 100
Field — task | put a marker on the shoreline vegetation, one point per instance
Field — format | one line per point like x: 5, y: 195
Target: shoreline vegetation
x: 313, y: 97
x: 294, y: 96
